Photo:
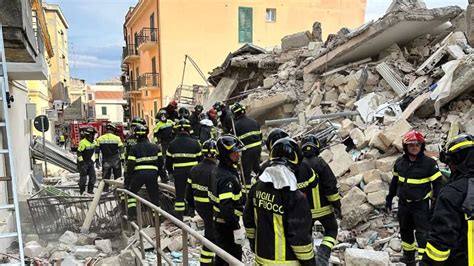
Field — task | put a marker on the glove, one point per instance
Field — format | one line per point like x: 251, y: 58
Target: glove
x: 388, y: 203
x: 97, y: 164
x: 337, y: 209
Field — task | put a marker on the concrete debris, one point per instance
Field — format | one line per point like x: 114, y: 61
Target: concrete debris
x: 343, y: 162
x: 68, y: 238
x: 33, y: 250
x: 362, y: 257
x: 296, y: 40
x: 82, y: 252
x: 104, y: 245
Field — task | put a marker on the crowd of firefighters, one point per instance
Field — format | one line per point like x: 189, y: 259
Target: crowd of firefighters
x: 213, y: 159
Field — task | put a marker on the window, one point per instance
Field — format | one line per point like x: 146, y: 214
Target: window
x: 271, y: 15
x: 104, y: 110
x: 245, y: 24
x: 89, y: 96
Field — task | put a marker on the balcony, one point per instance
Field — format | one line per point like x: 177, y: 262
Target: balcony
x: 131, y: 87
x: 147, y: 39
x: 149, y: 81
x: 130, y: 53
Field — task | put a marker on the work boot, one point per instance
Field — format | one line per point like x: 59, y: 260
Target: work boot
x: 408, y: 258
x: 322, y: 257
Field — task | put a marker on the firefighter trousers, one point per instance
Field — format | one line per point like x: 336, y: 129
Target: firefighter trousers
x: 110, y: 165
x: 251, y: 162
x: 86, y: 169
x: 224, y: 237
x: 414, y: 216
x: 329, y: 224
x: 149, y: 178
x: 205, y: 211
x: 180, y: 181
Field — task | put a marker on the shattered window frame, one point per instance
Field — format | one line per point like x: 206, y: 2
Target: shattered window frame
x: 270, y: 14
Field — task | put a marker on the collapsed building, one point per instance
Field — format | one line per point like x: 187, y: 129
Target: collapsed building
x: 361, y: 90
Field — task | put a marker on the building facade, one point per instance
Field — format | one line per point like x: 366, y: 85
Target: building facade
x: 107, y: 99
x: 59, y: 63
x: 159, y: 33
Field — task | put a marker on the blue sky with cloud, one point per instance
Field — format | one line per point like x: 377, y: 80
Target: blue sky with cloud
x: 96, y: 34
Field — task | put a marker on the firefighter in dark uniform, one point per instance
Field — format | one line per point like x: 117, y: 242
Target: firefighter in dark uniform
x: 451, y: 238
x: 248, y: 131
x: 226, y: 196
x: 143, y: 164
x: 111, y: 147
x: 183, y: 153
x: 277, y: 217
x: 224, y: 114
x: 171, y: 110
x: 274, y: 135
x: 85, y: 161
x: 131, y: 139
x: 194, y: 119
x: 197, y: 197
x: 183, y: 113
x: 163, y: 131
x: 323, y: 196
x: 416, y: 179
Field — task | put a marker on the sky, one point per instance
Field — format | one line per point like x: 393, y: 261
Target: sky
x: 96, y: 36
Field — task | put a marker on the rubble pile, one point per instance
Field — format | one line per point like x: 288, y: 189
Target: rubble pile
x: 411, y: 69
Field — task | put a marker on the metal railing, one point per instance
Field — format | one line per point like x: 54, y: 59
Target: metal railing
x: 129, y: 50
x: 147, y: 35
x: 157, y: 212
x: 148, y: 80
x: 132, y: 85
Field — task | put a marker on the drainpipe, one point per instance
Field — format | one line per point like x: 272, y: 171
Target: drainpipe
x: 158, y: 17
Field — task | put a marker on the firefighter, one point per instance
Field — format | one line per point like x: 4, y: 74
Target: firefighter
x: 274, y: 135
x: 197, y: 197
x: 323, y: 196
x: 451, y: 238
x: 206, y: 129
x: 163, y: 132
x: 248, y: 131
x: 183, y: 113
x: 224, y: 114
x: 171, y: 112
x: 212, y: 115
x: 131, y: 138
x: 416, y: 179
x: 194, y: 119
x: 111, y: 147
x: 226, y: 196
x: 85, y: 161
x: 277, y: 217
x: 62, y: 141
x: 143, y: 164
x: 183, y: 153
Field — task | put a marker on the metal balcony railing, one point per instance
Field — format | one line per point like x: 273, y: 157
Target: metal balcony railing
x: 147, y: 35
x: 131, y: 86
x: 148, y: 80
x: 129, y: 50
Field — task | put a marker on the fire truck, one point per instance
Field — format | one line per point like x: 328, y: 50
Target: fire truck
x: 76, y: 129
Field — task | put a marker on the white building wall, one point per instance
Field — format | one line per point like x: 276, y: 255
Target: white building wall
x: 114, y: 110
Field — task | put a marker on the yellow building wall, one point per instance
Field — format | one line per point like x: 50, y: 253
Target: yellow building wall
x: 207, y: 30
x: 145, y: 100
x: 59, y: 66
x: 38, y: 94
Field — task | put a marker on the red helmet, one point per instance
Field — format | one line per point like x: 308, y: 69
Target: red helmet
x: 174, y: 103
x: 212, y: 113
x: 413, y: 137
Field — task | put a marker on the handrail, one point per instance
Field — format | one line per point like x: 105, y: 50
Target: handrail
x: 184, y: 228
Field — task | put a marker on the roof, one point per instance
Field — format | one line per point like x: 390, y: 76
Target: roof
x: 56, y: 8
x: 112, y: 81
x: 109, y: 95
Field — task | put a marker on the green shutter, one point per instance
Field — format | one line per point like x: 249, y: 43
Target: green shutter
x: 245, y: 24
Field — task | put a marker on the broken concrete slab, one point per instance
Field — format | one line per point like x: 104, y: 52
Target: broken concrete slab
x: 32, y: 250
x: 374, y: 186
x: 104, y: 245
x: 257, y: 108
x: 392, y: 28
x: 344, y: 160
x: 386, y: 164
x: 69, y: 238
x: 362, y: 166
x: 364, y: 257
x: 356, y: 215
x: 432, y: 61
x: 224, y: 89
x: 396, y: 131
x: 372, y: 175
x: 82, y: 252
x: 352, y: 200
x: 327, y: 155
x: 377, y: 198
x: 111, y: 261
x: 358, y: 138
x: 296, y: 40
x: 348, y: 183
